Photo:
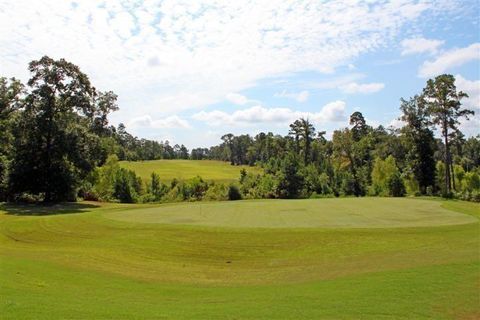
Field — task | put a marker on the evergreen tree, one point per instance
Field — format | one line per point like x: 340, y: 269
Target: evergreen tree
x: 443, y: 104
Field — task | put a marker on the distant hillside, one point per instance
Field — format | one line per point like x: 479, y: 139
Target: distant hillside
x: 210, y: 170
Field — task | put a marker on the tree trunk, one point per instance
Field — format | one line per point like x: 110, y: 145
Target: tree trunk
x: 447, y: 163
x: 453, y: 176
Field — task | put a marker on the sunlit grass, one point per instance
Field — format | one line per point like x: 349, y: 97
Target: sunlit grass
x: 87, y: 261
x: 209, y: 170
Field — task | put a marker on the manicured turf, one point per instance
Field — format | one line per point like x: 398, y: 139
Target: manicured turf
x: 210, y: 170
x: 91, y: 265
x: 347, y: 213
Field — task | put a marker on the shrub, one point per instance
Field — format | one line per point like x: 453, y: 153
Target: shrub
x: 396, y: 188
x: 216, y: 192
x: 234, y: 193
x: 125, y: 186
x: 471, y: 181
x: 385, y: 175
x: 25, y: 197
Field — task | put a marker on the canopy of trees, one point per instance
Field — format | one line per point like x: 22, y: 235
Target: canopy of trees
x: 56, y: 144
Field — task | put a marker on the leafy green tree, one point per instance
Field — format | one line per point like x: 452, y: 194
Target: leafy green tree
x: 11, y: 92
x: 471, y: 181
x: 386, y: 179
x: 126, y: 186
x: 359, y: 125
x: 419, y: 142
x: 471, y: 153
x: 55, y: 147
x: 290, y: 180
x: 156, y: 188
x: 295, y: 132
x: 228, y: 142
x: 346, y: 157
x: 396, y: 187
x: 307, y: 132
x: 443, y: 104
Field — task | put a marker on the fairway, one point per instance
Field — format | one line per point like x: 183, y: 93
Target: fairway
x: 272, y: 259
x: 210, y: 170
x: 342, y: 213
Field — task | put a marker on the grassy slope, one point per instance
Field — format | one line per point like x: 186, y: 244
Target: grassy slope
x: 185, y: 169
x: 88, y: 266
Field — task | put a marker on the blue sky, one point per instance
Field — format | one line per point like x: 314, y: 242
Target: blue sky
x: 190, y: 71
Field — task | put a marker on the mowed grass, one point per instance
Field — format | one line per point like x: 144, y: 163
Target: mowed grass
x: 91, y: 261
x: 210, y: 170
x: 327, y: 213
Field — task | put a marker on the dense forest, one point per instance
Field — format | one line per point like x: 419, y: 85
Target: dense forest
x: 56, y: 145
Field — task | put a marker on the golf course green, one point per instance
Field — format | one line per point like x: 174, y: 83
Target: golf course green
x: 347, y: 258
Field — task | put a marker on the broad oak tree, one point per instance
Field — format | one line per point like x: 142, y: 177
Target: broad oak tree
x: 55, y: 144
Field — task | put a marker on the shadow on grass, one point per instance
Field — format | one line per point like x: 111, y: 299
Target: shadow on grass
x: 45, y: 209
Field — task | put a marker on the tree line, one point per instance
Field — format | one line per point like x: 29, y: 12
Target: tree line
x: 362, y: 160
x: 56, y: 144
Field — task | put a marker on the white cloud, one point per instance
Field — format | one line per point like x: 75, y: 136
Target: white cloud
x: 336, y: 82
x: 237, y: 98
x: 472, y: 88
x: 449, y: 59
x: 170, y: 122
x: 331, y: 112
x: 470, y: 127
x: 301, y: 96
x: 420, y: 45
x: 396, y: 124
x: 363, y: 88
x: 166, y: 56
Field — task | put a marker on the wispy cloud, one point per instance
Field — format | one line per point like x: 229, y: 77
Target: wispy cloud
x: 171, y: 122
x: 301, y: 96
x: 166, y: 56
x: 363, y: 88
x: 420, y: 45
x: 450, y: 59
x: 472, y: 88
x: 239, y: 99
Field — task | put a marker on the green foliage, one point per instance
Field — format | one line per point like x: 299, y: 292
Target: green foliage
x: 471, y: 181
x: 290, y: 180
x: 103, y: 179
x: 440, y: 179
x: 443, y: 103
x: 411, y: 185
x: 234, y: 192
x: 55, y: 148
x: 3, y: 177
x: 156, y: 189
x: 315, y: 181
x: 419, y: 142
x: 386, y: 178
x: 396, y: 187
x: 217, y: 192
